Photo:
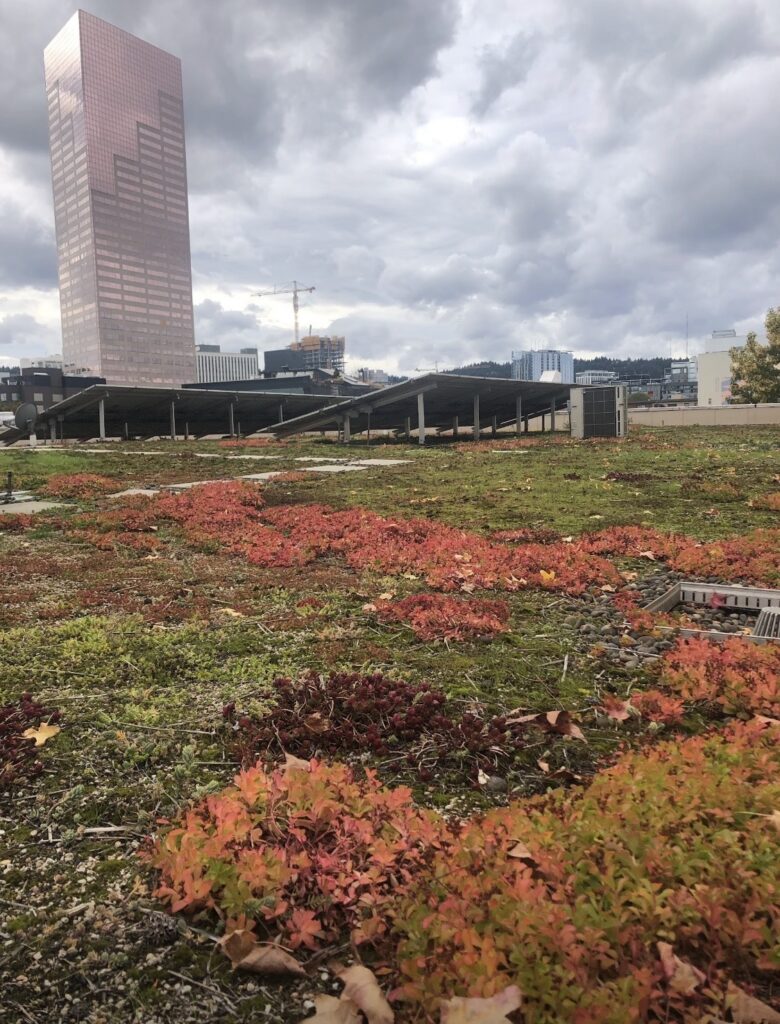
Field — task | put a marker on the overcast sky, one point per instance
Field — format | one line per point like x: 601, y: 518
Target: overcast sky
x: 458, y: 178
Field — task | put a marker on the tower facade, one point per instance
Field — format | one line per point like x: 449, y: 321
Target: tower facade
x: 119, y: 176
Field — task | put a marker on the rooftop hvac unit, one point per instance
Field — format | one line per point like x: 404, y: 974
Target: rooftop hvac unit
x: 599, y: 411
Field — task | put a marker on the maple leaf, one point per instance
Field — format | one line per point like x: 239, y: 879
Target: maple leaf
x: 362, y: 988
x: 246, y: 954
x: 330, y: 1010
x: 682, y: 977
x: 494, y: 1010
x: 747, y: 1009
x: 305, y: 929
x: 43, y: 733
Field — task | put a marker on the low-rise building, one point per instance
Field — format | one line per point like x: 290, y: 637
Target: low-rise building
x: 714, y: 368
x: 596, y: 377
x: 43, y: 387
x: 215, y: 365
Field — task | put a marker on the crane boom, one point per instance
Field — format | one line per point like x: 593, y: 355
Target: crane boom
x: 295, y: 291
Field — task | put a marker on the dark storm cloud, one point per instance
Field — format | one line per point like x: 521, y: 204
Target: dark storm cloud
x: 457, y: 179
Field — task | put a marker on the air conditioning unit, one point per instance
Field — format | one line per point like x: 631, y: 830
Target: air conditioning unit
x: 599, y: 411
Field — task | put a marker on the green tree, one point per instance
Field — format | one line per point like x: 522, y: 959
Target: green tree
x: 755, y: 369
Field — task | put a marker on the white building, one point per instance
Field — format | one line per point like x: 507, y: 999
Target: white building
x: 596, y: 377
x: 214, y: 365
x: 532, y: 364
x: 714, y: 367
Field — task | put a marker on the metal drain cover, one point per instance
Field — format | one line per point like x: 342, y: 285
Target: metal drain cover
x: 768, y: 624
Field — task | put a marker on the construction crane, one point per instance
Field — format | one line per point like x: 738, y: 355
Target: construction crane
x: 295, y: 290
x: 428, y: 369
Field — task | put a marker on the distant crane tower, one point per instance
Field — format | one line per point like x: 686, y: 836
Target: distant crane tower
x: 295, y: 290
x: 428, y: 369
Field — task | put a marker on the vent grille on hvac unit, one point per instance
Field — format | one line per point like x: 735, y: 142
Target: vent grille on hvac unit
x: 768, y: 624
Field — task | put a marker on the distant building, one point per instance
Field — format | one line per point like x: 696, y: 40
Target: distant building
x: 119, y: 176
x: 532, y: 364
x: 714, y: 367
x: 596, y: 377
x: 314, y: 352
x: 369, y: 376
x: 215, y: 365
x: 44, y: 387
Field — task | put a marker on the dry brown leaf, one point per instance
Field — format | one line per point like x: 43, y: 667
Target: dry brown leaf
x: 747, y: 1009
x: 774, y: 819
x: 316, y: 723
x: 369, y: 607
x: 648, y: 555
x: 246, y: 954
x: 387, y: 596
x: 682, y: 977
x: 482, y: 777
x: 291, y: 761
x: 494, y: 1010
x: 232, y: 613
x: 43, y: 733
x: 544, y: 766
x: 521, y: 852
x: 765, y: 720
x: 361, y: 986
x: 330, y: 1010
x: 561, y: 722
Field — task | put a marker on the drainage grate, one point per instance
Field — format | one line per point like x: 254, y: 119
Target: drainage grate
x: 768, y: 624
x: 730, y: 598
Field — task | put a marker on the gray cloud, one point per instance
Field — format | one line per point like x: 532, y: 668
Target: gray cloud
x: 456, y: 180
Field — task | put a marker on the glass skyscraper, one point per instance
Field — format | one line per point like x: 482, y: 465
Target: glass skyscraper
x: 119, y: 174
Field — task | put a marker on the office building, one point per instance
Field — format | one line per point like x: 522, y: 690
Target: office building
x: 595, y: 377
x: 532, y: 364
x: 116, y: 134
x: 216, y: 365
x: 43, y: 387
x: 714, y: 367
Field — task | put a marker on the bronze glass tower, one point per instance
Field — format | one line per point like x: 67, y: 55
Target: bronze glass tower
x: 119, y: 174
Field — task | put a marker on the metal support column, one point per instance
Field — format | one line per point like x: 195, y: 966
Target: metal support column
x: 102, y: 418
x: 525, y: 424
x: 476, y: 417
x: 186, y: 431
x: 408, y: 427
x: 126, y: 432
x: 346, y: 436
x: 421, y: 418
x: 543, y: 422
x: 53, y: 430
x: 455, y: 426
x: 552, y: 416
x: 494, y: 426
x: 281, y: 412
x: 518, y: 415
x: 232, y: 420
x: 173, y: 421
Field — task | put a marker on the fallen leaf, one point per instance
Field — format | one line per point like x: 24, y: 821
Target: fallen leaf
x: 682, y: 977
x: 608, y: 588
x: 387, y: 596
x: 774, y: 819
x: 547, y: 577
x: 361, y: 986
x: 648, y: 555
x: 43, y: 733
x: 297, y: 763
x: 615, y: 708
x: 747, y: 1009
x: 369, y: 607
x: 482, y: 778
x: 316, y: 723
x: 765, y: 720
x: 493, y: 1010
x: 330, y: 1010
x: 521, y: 852
x: 567, y: 540
x: 544, y: 766
x: 561, y: 723
x: 246, y: 954
x: 232, y: 613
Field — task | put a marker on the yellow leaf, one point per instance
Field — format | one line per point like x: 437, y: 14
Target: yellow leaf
x: 547, y: 577
x: 43, y: 733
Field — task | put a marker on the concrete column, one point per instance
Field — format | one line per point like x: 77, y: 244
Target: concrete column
x: 421, y: 418
x: 173, y: 421
x: 102, y: 418
x: 476, y: 417
x: 408, y: 427
x: 454, y: 426
x: 552, y: 416
x: 494, y: 426
x: 518, y: 415
x: 232, y: 420
x: 53, y: 429
x: 346, y: 430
